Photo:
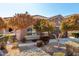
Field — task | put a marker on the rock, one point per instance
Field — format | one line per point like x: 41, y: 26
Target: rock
x: 45, y: 39
x: 40, y: 43
x: 48, y: 49
x: 72, y: 48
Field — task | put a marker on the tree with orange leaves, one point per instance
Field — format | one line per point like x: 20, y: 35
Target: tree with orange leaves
x: 2, y: 24
x: 20, y: 22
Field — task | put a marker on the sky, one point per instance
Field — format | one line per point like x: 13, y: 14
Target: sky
x: 44, y: 9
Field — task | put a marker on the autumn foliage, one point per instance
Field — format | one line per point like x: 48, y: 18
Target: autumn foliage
x: 2, y: 24
x: 20, y: 21
x: 44, y: 25
x: 70, y: 23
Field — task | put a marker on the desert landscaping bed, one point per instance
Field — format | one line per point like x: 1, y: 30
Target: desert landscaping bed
x: 26, y: 50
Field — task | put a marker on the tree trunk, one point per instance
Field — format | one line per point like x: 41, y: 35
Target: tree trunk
x: 66, y: 34
x: 20, y: 34
x: 4, y: 31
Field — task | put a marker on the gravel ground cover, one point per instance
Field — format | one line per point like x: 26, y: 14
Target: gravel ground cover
x: 30, y: 49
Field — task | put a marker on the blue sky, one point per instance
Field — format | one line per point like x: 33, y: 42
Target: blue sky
x: 45, y: 9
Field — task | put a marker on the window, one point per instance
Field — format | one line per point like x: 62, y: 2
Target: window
x: 29, y: 29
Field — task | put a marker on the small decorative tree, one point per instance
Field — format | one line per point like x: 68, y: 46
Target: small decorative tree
x: 44, y: 25
x: 70, y: 23
x: 64, y: 28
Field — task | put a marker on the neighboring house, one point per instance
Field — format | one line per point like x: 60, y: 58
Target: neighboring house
x: 31, y: 33
x: 30, y: 30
